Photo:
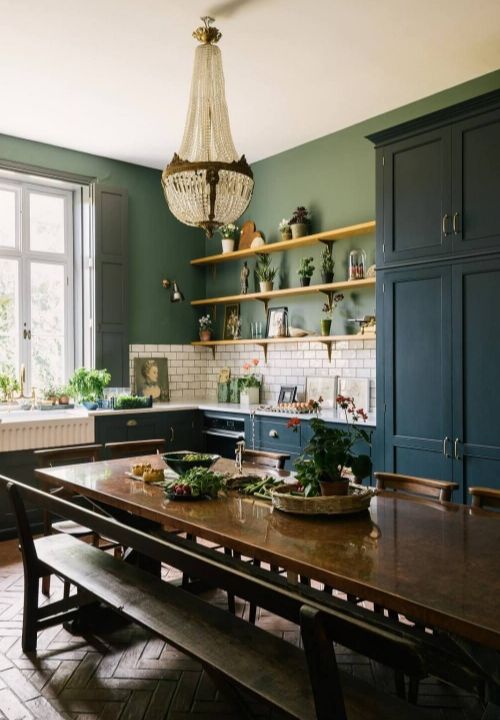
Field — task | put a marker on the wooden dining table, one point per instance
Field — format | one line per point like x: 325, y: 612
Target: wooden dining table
x: 437, y: 563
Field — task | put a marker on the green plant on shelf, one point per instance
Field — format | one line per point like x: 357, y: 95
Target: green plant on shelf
x: 327, y: 261
x: 306, y: 267
x: 263, y: 268
x: 88, y: 385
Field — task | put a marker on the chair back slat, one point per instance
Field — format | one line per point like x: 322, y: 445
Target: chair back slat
x: 131, y: 448
x: 483, y: 497
x: 27, y: 546
x: 53, y: 457
x: 262, y: 458
x: 440, y: 490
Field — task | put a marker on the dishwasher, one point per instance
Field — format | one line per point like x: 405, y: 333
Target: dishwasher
x: 221, y: 433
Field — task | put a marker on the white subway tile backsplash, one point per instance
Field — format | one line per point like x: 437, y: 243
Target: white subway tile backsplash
x: 194, y: 372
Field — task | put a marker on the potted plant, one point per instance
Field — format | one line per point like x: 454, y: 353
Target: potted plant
x: 265, y: 272
x: 305, y: 271
x: 229, y: 234
x: 205, y: 323
x: 8, y: 386
x: 87, y: 386
x: 321, y: 467
x: 299, y: 222
x: 327, y: 265
x: 249, y: 384
x: 328, y: 308
x: 284, y: 228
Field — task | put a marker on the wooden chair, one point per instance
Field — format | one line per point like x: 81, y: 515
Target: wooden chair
x: 53, y: 457
x: 131, y: 448
x: 263, y: 458
x: 440, y: 490
x: 483, y: 497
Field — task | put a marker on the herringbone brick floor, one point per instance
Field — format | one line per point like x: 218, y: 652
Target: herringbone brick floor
x: 128, y: 674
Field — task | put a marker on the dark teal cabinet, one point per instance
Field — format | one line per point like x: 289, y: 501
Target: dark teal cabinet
x: 417, y: 187
x: 180, y: 429
x: 438, y: 293
x: 415, y: 337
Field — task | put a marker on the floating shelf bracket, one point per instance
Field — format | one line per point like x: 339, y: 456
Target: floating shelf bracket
x: 328, y: 344
x: 264, y: 347
x: 266, y: 303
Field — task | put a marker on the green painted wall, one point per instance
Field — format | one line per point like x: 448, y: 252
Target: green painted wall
x: 159, y: 246
x: 334, y: 177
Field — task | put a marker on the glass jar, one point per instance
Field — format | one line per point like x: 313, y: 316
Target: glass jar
x: 357, y: 264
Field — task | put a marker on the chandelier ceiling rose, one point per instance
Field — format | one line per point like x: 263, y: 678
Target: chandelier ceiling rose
x: 206, y: 184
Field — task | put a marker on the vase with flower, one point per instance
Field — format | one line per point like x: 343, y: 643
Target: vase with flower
x: 205, y: 323
x: 250, y: 384
x: 328, y: 308
x: 229, y: 234
x: 322, y: 467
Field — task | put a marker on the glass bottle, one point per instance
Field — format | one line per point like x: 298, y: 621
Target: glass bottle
x: 357, y: 264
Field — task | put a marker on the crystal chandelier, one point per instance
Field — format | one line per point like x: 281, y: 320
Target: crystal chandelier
x: 206, y: 185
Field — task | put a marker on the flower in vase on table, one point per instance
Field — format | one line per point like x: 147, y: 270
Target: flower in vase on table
x: 329, y: 455
x: 250, y: 379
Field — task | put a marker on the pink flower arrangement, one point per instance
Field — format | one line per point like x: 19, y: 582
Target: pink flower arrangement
x: 250, y: 379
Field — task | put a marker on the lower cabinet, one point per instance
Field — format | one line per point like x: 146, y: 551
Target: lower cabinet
x: 181, y: 430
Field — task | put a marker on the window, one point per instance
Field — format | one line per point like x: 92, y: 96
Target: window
x: 37, y: 291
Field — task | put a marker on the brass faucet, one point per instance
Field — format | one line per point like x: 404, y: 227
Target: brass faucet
x: 240, y: 446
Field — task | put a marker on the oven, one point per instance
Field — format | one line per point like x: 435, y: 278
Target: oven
x: 221, y: 433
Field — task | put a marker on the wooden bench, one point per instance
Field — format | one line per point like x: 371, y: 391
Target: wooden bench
x: 302, y: 684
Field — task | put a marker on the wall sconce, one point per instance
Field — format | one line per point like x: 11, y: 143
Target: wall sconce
x: 175, y: 293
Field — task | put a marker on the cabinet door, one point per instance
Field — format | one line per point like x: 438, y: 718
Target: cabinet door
x: 476, y: 183
x: 417, y: 371
x: 476, y: 388
x: 417, y: 198
x: 183, y: 430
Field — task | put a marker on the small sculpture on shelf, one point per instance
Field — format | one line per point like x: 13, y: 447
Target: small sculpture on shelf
x: 245, y: 272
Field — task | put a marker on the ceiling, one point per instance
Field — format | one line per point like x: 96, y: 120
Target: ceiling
x: 112, y: 77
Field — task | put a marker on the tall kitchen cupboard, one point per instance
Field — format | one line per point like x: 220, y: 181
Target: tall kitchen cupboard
x: 438, y: 294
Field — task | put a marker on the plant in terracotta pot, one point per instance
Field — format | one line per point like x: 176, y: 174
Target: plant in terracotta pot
x: 87, y: 386
x: 205, y: 323
x: 305, y: 271
x: 229, y: 234
x: 328, y: 308
x: 330, y: 453
x: 327, y: 265
x: 284, y: 228
x: 249, y: 384
x: 299, y: 222
x: 265, y: 272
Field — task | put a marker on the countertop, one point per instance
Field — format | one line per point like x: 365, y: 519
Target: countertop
x: 40, y: 416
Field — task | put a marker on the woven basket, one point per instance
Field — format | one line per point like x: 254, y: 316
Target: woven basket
x: 357, y: 500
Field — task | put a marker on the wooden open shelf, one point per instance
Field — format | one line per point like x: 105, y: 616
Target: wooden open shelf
x: 327, y: 288
x: 326, y: 340
x: 286, y: 245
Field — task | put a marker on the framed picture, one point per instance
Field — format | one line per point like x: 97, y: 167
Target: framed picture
x: 151, y: 378
x: 232, y: 322
x: 277, y: 322
x: 288, y: 393
x: 324, y: 387
x: 356, y: 388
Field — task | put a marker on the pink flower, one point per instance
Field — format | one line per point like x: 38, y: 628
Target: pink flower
x: 246, y: 366
x: 255, y: 361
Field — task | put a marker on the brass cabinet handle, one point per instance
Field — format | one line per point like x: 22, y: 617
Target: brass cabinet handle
x: 172, y: 434
x: 446, y: 232
x: 27, y: 334
x: 131, y: 423
x: 455, y: 449
x: 273, y: 433
x: 456, y: 229
x: 445, y: 443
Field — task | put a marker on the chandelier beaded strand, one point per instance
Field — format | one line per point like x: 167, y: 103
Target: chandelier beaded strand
x: 206, y: 185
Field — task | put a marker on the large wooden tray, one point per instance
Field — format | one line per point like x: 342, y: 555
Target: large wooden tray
x: 357, y: 500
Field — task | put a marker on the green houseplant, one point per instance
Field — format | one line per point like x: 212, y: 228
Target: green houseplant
x: 328, y: 308
x: 265, y: 272
x: 305, y: 271
x: 205, y: 323
x: 229, y: 234
x: 299, y: 222
x: 322, y: 465
x: 284, y: 228
x: 327, y: 265
x: 8, y: 386
x: 87, y: 386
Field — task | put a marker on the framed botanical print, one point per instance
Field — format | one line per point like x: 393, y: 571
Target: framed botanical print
x: 277, y: 322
